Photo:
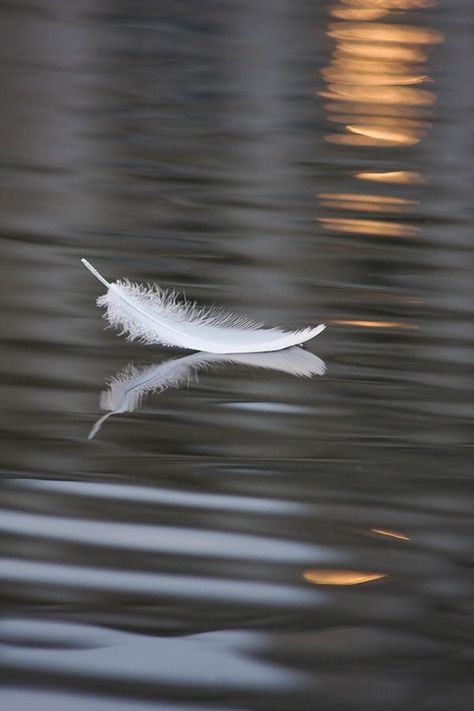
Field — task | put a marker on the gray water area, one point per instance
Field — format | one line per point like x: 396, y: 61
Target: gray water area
x: 248, y: 538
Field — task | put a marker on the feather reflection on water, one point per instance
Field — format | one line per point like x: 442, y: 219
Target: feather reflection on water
x: 127, y: 390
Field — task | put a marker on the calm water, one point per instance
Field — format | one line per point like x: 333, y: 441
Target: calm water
x: 256, y: 540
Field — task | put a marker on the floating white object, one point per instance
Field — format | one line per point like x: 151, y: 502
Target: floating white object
x: 155, y: 316
x: 128, y: 389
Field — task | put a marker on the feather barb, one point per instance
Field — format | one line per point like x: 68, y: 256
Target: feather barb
x: 155, y: 316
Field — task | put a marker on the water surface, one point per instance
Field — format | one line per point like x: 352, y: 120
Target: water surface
x: 250, y: 539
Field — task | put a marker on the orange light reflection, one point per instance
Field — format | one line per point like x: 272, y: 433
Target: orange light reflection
x: 382, y: 32
x: 379, y: 112
x: 372, y: 77
x: 403, y: 177
x: 365, y: 203
x: 378, y: 97
x: 390, y: 534
x: 405, y: 137
x: 365, y: 66
x: 391, y: 4
x: 374, y: 324
x: 321, y: 576
x: 377, y: 52
x: 380, y: 228
x: 399, y: 122
x: 349, y: 13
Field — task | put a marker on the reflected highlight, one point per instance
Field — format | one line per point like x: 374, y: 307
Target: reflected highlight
x: 378, y: 65
x: 390, y: 534
x: 399, y: 177
x: 128, y: 389
x: 322, y: 576
x: 382, y: 32
x: 354, y: 13
x: 374, y: 324
x: 379, y: 97
x: 365, y: 203
x: 387, y: 52
x: 391, y: 4
x: 386, y: 136
x: 399, y: 95
x: 376, y: 228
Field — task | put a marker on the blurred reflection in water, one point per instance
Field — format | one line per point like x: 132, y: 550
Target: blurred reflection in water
x: 128, y: 389
x: 258, y: 541
x: 322, y: 576
x: 373, y: 84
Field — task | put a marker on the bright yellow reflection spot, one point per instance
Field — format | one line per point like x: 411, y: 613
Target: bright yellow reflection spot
x: 354, y: 13
x: 374, y: 77
x: 347, y: 139
x: 405, y: 137
x: 374, y: 324
x: 406, y: 126
x: 391, y: 121
x: 398, y: 95
x: 382, y: 32
x: 365, y: 203
x: 376, y: 84
x: 403, y: 177
x: 321, y: 576
x: 379, y: 228
x: 391, y: 4
x: 390, y: 534
x: 363, y: 66
x: 357, y: 197
x: 381, y: 114
x: 386, y: 52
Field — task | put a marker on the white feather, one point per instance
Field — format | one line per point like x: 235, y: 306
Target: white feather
x: 156, y: 316
x: 127, y: 390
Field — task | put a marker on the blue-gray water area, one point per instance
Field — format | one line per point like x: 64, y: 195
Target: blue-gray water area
x: 277, y: 533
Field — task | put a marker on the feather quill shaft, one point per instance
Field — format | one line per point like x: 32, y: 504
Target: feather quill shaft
x: 155, y: 316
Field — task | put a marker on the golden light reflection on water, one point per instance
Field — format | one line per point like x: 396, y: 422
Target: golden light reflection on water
x: 379, y: 63
x: 373, y: 324
x: 380, y: 52
x: 356, y: 13
x: 322, y: 576
x: 399, y: 95
x: 400, y: 177
x: 388, y: 136
x: 390, y: 534
x: 383, y: 32
x: 380, y: 97
x: 361, y: 202
x: 376, y: 228
x: 362, y: 73
x: 390, y: 4
x: 367, y: 135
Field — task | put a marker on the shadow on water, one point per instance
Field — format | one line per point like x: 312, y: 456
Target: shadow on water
x: 257, y: 542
